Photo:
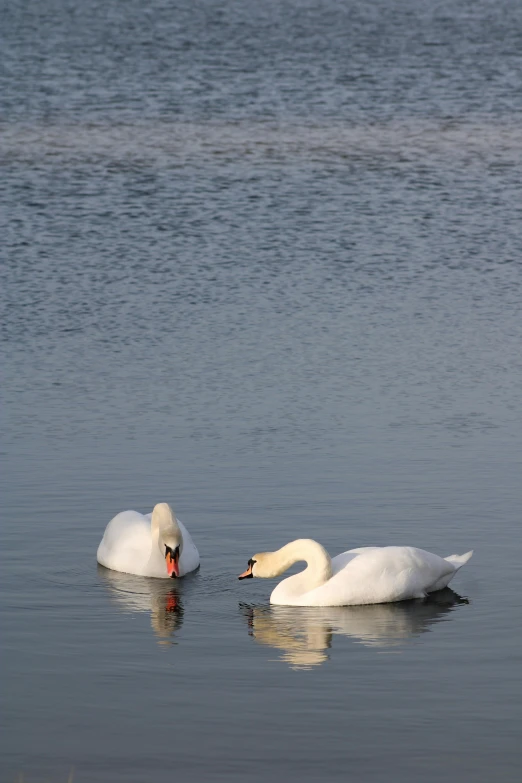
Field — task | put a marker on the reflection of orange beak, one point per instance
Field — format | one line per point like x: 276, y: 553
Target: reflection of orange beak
x: 172, y: 603
x: 172, y: 561
x: 248, y: 573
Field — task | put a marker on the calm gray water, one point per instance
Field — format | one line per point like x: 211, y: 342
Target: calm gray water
x: 261, y: 260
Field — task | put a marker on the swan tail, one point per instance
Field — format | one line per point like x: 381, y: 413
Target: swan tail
x: 459, y: 560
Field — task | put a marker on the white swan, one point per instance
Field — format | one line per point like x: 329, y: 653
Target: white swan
x: 154, y: 544
x: 369, y: 575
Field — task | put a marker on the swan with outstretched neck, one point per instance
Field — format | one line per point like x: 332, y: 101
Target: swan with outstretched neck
x: 156, y: 544
x: 368, y: 575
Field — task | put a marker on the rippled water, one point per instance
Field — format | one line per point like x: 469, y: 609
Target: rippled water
x: 262, y: 261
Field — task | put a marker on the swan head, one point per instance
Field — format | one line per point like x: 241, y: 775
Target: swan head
x: 270, y: 564
x: 263, y: 565
x: 170, y: 538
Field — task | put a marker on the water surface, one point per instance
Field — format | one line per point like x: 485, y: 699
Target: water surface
x: 261, y: 261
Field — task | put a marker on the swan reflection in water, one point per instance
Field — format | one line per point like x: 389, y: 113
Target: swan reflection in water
x: 140, y: 594
x: 304, y: 634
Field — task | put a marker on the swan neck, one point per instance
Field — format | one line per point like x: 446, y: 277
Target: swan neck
x: 154, y: 530
x: 163, y: 523
x: 319, y: 564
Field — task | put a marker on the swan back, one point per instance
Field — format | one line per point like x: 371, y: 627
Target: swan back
x: 371, y: 575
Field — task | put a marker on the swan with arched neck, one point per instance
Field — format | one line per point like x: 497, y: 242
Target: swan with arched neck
x: 156, y: 544
x: 367, y: 575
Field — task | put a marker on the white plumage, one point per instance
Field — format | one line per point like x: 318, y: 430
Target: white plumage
x: 135, y: 543
x: 369, y: 575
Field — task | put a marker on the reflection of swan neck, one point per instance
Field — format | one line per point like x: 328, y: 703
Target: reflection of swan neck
x: 305, y: 633
x: 319, y: 564
x: 155, y: 596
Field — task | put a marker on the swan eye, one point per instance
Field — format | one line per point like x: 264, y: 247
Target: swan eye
x: 251, y: 562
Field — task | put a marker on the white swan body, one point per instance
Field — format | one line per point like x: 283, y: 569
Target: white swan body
x: 369, y: 575
x: 142, y: 544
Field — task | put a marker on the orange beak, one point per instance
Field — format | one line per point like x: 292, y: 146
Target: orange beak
x: 248, y: 573
x: 172, y: 561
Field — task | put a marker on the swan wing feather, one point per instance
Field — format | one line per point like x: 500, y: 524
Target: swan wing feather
x: 126, y: 540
